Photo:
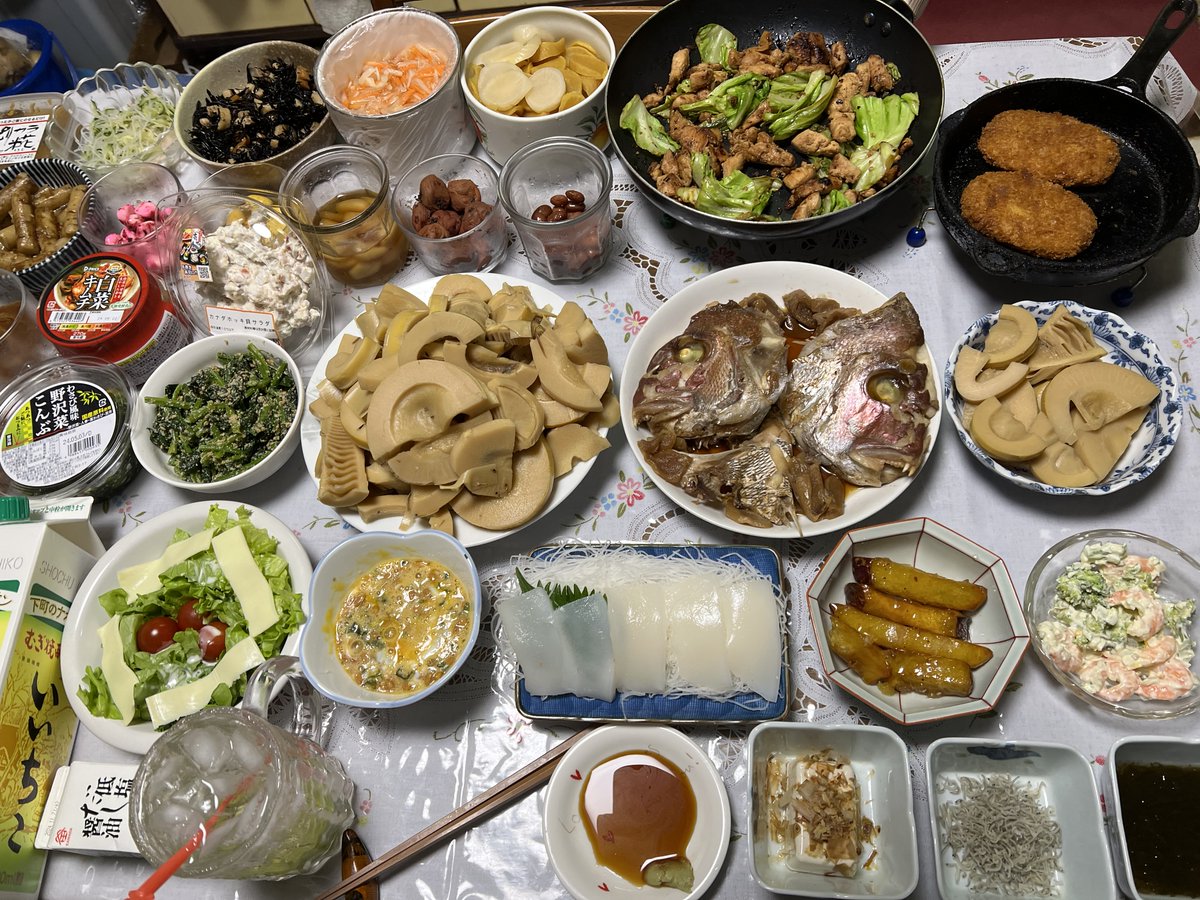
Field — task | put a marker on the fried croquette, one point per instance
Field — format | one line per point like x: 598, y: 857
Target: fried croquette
x: 1029, y: 213
x: 1050, y: 145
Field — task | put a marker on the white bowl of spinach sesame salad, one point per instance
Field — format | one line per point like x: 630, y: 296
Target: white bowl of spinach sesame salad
x: 220, y: 415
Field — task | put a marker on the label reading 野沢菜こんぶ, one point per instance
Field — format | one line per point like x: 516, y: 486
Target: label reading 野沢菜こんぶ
x: 91, y: 300
x: 57, y: 433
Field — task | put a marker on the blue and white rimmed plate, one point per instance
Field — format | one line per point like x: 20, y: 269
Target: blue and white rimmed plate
x: 567, y: 842
x: 931, y: 546
x: 1123, y: 346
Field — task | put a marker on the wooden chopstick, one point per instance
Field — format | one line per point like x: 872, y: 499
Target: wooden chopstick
x: 475, y: 810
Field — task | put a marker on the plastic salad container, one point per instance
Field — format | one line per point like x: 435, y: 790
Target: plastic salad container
x: 241, y: 267
x: 65, y: 430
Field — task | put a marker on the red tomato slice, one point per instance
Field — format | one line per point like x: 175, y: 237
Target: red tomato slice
x: 157, y: 634
x: 188, y: 617
x: 212, y: 640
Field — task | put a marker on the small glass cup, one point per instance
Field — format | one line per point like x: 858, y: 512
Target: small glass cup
x: 271, y: 803
x: 480, y: 248
x: 131, y: 183
x: 560, y: 169
x: 21, y: 343
x: 338, y: 197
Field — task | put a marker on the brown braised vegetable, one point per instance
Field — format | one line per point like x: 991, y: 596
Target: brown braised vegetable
x: 433, y: 193
x: 35, y: 222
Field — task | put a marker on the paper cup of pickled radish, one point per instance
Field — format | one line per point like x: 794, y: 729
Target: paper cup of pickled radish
x: 362, y: 73
x: 536, y: 73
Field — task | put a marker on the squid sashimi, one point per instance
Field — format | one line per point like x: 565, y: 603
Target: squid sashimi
x: 588, y: 650
x: 752, y: 643
x: 696, y: 638
x: 638, y: 623
x: 537, y: 637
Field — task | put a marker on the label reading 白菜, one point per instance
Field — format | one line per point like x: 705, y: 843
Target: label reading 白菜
x: 57, y: 433
x: 91, y: 300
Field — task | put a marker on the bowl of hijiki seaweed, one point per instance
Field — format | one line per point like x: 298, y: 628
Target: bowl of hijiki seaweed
x: 395, y: 616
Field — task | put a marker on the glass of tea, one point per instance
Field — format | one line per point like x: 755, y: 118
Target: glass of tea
x: 338, y: 197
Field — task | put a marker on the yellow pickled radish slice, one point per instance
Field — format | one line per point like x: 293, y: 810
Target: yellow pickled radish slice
x: 583, y: 59
x: 546, y: 88
x: 569, y: 99
x: 549, y: 49
x: 574, y: 82
x: 502, y: 85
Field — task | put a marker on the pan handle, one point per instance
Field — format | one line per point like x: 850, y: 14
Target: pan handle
x: 910, y: 9
x: 1135, y: 75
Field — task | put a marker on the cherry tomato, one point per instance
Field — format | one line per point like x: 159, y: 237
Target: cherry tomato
x: 188, y: 617
x: 212, y: 640
x: 156, y: 634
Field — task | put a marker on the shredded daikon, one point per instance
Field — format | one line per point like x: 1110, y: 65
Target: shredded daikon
x: 126, y: 132
x: 1000, y: 837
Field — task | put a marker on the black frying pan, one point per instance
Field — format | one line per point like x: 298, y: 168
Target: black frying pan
x: 1150, y: 200
x: 865, y: 26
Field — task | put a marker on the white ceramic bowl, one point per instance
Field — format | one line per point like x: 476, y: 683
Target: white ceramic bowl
x: 1063, y: 779
x: 773, y: 278
x: 502, y: 135
x: 567, y: 843
x: 181, y: 366
x: 931, y: 546
x: 1123, y: 346
x: 880, y: 763
x: 332, y: 579
x: 1170, y: 751
x: 81, y: 647
x: 1180, y: 581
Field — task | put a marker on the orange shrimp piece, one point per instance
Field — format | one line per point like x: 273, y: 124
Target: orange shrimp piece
x: 398, y: 82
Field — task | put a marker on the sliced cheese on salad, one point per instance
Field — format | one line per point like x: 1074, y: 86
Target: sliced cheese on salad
x: 246, y: 579
x: 143, y: 578
x: 167, y: 706
x: 121, y: 679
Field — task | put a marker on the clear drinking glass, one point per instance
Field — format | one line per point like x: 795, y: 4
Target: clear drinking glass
x: 132, y: 183
x: 21, y: 343
x: 339, y: 197
x: 271, y: 802
x: 578, y: 176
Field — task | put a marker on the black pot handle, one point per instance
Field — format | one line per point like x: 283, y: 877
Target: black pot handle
x: 1135, y: 75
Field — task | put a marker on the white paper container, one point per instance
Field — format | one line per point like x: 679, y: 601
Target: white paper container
x: 436, y: 125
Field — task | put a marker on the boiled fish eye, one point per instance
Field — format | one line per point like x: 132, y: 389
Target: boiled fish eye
x: 692, y: 353
x: 886, y: 387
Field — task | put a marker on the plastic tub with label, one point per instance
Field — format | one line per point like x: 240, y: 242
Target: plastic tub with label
x: 241, y: 268
x: 65, y: 430
x: 108, y: 306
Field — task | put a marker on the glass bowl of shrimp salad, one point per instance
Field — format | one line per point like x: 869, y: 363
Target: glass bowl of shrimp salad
x: 1113, y: 618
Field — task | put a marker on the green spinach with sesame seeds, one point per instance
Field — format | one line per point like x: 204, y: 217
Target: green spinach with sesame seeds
x: 227, y: 417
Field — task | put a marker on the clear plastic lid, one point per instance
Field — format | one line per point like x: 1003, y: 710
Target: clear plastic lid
x: 65, y: 430
x: 241, y: 267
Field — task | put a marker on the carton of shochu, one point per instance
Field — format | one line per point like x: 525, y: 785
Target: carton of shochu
x: 46, y: 550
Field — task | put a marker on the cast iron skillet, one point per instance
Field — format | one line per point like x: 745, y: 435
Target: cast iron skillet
x: 865, y: 26
x: 1150, y: 200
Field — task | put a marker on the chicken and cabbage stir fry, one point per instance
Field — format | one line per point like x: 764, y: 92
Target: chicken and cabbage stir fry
x: 798, y: 115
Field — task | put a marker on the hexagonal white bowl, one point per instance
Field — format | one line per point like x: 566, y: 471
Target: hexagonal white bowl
x: 929, y: 545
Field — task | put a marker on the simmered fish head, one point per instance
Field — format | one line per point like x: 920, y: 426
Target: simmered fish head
x: 857, y: 398
x: 717, y: 380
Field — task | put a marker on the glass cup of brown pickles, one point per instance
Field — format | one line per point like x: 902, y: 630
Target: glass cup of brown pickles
x: 338, y: 197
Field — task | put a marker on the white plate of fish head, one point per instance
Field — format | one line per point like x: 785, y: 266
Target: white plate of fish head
x: 567, y: 841
x: 1055, y: 778
x: 81, y: 647
x: 998, y: 625
x: 879, y: 761
x: 775, y: 279
x: 468, y: 535
x: 1123, y: 346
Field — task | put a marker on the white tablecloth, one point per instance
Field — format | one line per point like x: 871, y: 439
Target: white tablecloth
x: 414, y: 765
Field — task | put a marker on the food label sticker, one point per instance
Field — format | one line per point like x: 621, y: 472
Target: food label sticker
x: 231, y: 320
x: 91, y: 300
x: 20, y: 138
x: 171, y: 335
x: 193, y: 258
x: 57, y: 433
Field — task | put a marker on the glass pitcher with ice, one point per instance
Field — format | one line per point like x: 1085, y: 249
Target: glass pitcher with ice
x: 269, y: 803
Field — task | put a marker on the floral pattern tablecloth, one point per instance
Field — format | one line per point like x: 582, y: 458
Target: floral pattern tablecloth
x: 413, y: 765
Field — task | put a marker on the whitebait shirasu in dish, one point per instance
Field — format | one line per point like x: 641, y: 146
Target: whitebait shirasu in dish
x: 1111, y: 629
x: 1000, y: 837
